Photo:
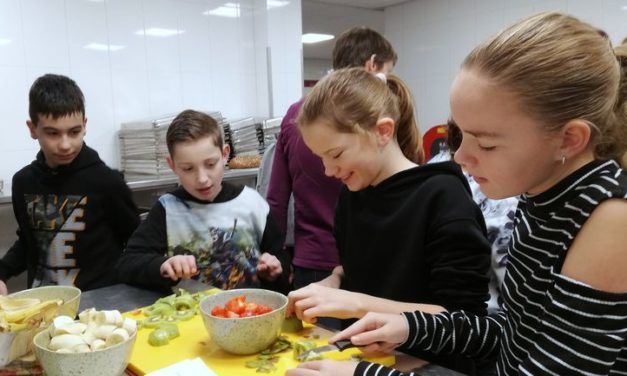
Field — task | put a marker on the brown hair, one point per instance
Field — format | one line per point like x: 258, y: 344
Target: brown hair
x: 191, y: 125
x: 561, y: 69
x: 355, y: 46
x: 352, y: 99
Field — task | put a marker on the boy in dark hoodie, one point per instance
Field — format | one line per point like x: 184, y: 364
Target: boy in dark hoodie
x: 74, y: 213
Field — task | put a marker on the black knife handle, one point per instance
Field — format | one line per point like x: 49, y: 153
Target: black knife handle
x: 344, y: 344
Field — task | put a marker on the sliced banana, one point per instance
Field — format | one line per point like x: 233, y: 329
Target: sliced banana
x: 95, y: 330
x: 65, y: 341
x: 76, y: 328
x: 117, y: 336
x: 98, y: 344
x: 129, y: 325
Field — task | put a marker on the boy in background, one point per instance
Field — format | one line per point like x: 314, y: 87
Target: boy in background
x: 208, y: 229
x: 74, y: 213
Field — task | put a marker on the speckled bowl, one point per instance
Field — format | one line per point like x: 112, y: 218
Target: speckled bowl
x: 106, y: 362
x: 70, y: 295
x: 14, y: 345
x: 245, y: 335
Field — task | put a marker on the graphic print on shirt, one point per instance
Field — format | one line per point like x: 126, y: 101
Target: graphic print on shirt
x: 225, y: 247
x: 56, y: 220
x: 226, y: 258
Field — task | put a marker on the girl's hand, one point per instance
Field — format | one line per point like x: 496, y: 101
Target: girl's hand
x: 324, y: 368
x: 269, y: 267
x: 377, y: 332
x: 314, y: 300
x: 179, y: 267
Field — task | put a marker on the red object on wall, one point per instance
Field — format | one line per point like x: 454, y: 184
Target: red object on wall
x: 310, y: 83
x: 434, y: 140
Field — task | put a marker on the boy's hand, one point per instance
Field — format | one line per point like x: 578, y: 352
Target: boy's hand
x: 269, y: 267
x: 179, y: 267
x: 3, y: 288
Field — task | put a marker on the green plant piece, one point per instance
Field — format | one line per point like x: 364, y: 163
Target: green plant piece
x: 171, y: 329
x: 292, y: 325
x: 158, y: 337
x: 301, y: 346
x: 184, y: 315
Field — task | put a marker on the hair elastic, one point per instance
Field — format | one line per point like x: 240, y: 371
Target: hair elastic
x: 381, y: 76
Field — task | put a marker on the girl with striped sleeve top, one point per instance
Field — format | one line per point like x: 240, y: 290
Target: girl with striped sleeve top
x: 542, y: 116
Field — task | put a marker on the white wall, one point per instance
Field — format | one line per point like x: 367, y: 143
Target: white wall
x: 433, y: 36
x: 213, y: 64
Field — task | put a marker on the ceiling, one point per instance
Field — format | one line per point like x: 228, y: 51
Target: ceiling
x: 335, y: 16
x: 368, y: 4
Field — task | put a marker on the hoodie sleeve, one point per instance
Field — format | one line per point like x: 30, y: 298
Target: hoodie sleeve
x: 272, y: 242
x: 15, y: 260
x: 280, y: 186
x: 145, y: 251
x: 123, y: 211
x: 458, y: 250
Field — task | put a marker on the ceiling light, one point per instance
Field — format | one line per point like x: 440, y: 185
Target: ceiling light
x: 4, y: 41
x: 276, y: 3
x: 159, y: 32
x: 315, y: 37
x: 103, y: 47
x: 230, y: 10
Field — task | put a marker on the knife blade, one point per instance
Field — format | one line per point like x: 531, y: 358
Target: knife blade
x: 336, y: 346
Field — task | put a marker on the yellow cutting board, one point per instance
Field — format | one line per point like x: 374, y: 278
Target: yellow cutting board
x: 194, y: 342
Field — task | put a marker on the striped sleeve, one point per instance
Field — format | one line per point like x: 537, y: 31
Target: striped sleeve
x: 586, y: 327
x: 456, y: 332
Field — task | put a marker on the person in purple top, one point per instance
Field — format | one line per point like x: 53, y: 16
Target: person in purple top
x: 297, y: 171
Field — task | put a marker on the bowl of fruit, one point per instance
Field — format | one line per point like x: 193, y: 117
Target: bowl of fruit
x: 25, y: 313
x: 99, y: 343
x: 244, y: 321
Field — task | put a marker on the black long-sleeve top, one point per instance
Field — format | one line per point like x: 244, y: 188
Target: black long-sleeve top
x: 550, y: 324
x: 417, y: 237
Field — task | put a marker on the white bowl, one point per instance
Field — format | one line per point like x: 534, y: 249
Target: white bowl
x: 16, y: 344
x: 244, y: 335
x: 70, y: 295
x: 110, y: 361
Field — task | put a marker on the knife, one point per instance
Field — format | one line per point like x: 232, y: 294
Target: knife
x: 336, y: 346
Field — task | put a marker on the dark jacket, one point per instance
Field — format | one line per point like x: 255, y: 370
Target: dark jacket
x: 416, y: 237
x: 73, y: 221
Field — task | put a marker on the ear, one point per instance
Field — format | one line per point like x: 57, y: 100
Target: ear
x: 384, y: 130
x: 226, y: 150
x: 170, y: 163
x: 575, y: 137
x: 32, y: 129
x: 85, y: 125
x: 370, y: 66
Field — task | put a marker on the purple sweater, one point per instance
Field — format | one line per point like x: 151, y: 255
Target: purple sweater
x: 296, y: 170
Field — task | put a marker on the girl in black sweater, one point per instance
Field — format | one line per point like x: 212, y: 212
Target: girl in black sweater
x: 409, y: 235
